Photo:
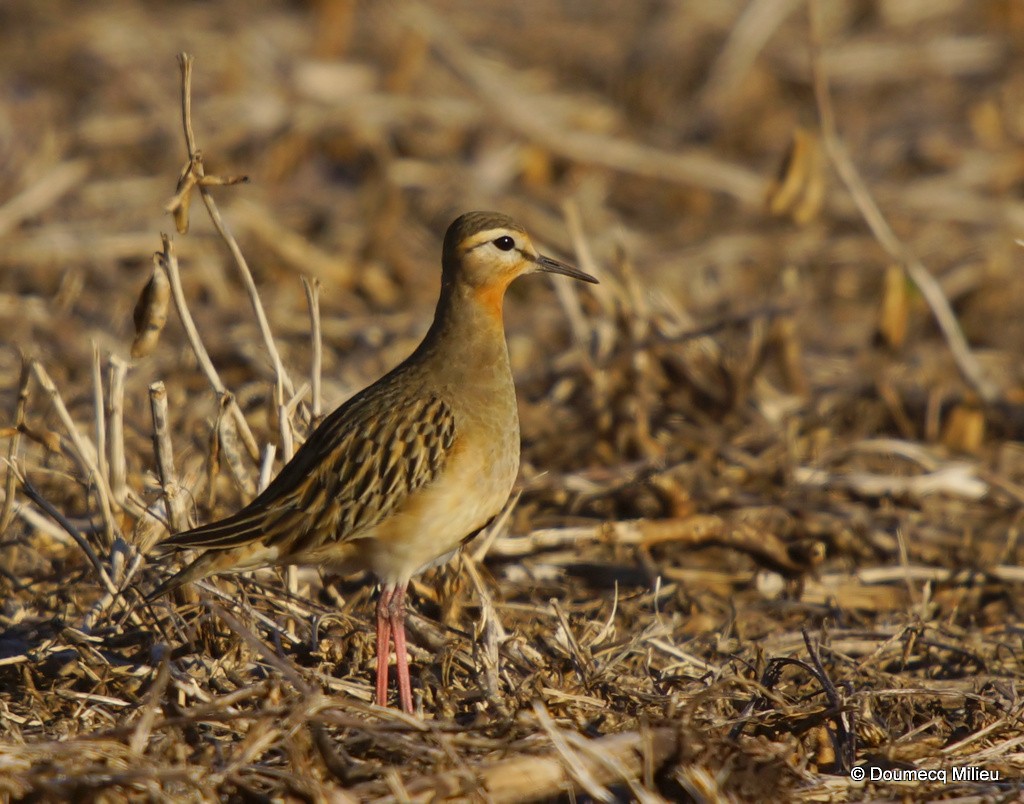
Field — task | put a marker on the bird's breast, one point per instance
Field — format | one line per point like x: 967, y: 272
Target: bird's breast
x: 474, y: 485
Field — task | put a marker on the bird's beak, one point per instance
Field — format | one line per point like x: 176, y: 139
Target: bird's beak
x: 552, y: 266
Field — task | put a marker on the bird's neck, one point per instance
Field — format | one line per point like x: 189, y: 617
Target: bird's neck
x: 468, y: 331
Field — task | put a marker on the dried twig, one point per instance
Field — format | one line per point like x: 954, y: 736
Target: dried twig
x: 122, y: 581
x: 115, y: 424
x: 163, y: 449
x: 194, y: 168
x: 71, y: 530
x: 144, y: 726
x: 581, y: 772
x: 257, y: 645
x: 266, y: 467
x: 489, y: 627
x: 844, y: 738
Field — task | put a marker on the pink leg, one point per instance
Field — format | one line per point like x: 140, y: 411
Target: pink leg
x: 383, y: 642
x: 396, y: 611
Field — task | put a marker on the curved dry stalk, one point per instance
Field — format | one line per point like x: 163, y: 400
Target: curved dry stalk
x: 167, y: 260
x: 42, y: 194
x: 965, y: 360
x: 753, y: 29
x: 86, y: 451
x: 312, y: 288
x: 67, y: 527
x: 283, y: 381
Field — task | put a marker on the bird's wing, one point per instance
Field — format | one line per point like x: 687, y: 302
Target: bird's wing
x: 356, y: 468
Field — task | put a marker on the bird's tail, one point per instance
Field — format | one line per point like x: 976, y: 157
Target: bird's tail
x: 233, y: 531
x: 199, y: 568
x: 229, y: 544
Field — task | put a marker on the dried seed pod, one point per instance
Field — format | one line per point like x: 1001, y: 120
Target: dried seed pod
x: 965, y: 428
x: 798, y: 191
x: 151, y: 312
x: 894, y: 311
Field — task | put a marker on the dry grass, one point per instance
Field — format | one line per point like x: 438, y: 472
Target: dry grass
x: 768, y: 517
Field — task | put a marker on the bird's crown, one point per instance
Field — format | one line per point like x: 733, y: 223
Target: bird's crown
x: 472, y: 230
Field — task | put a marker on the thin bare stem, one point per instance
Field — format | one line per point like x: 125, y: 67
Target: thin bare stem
x: 164, y: 450
x: 13, y: 445
x: 185, y: 62
x: 288, y: 412
x: 267, y: 467
x: 86, y: 451
x: 115, y: 426
x: 968, y: 364
x: 312, y: 288
x: 99, y: 408
x: 257, y: 645
x: 284, y: 421
x: 283, y: 381
x: 150, y: 709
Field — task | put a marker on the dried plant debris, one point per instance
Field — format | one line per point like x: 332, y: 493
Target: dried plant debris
x: 765, y: 536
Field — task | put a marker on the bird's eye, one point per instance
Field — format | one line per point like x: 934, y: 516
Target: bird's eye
x: 505, y: 243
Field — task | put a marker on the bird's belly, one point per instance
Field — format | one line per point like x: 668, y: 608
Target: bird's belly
x: 435, y: 519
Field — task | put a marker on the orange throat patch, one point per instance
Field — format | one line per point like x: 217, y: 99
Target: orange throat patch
x: 492, y: 297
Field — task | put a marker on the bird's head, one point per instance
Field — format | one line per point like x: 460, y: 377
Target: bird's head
x: 486, y: 251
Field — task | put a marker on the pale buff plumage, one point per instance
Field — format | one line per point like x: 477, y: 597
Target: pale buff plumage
x: 395, y: 479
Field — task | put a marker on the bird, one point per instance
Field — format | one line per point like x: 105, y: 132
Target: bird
x: 404, y: 472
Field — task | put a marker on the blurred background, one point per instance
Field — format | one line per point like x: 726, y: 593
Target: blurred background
x: 660, y: 134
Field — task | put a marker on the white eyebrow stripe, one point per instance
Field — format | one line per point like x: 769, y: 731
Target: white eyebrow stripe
x: 485, y: 237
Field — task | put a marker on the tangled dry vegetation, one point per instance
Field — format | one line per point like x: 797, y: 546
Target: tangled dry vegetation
x: 767, y: 522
